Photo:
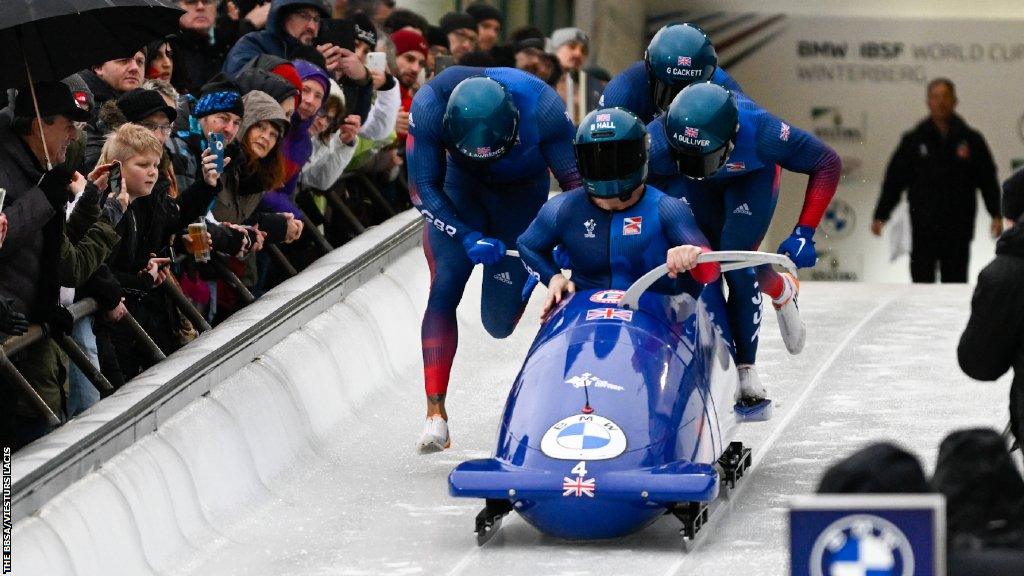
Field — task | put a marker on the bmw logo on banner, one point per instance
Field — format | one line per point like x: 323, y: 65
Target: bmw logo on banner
x: 583, y: 437
x: 868, y: 535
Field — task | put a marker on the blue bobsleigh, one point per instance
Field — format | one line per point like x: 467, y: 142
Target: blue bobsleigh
x: 623, y: 411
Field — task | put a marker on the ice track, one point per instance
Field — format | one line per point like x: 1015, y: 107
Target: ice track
x: 303, y: 463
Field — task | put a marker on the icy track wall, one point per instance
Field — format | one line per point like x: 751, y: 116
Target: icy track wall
x: 167, y: 497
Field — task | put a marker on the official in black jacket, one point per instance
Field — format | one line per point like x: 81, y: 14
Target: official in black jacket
x: 993, y: 341
x: 942, y: 162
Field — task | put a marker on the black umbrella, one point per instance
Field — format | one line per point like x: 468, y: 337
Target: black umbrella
x: 52, y: 39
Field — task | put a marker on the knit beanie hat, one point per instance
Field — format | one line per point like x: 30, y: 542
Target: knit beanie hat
x: 138, y: 104
x: 219, y: 96
x: 80, y: 90
x: 453, y: 21
x: 277, y: 87
x: 261, y: 106
x: 308, y: 71
x: 409, y: 41
x: 365, y: 31
x: 481, y: 11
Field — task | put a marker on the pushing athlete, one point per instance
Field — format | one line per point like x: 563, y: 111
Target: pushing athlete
x: 677, y: 56
x: 724, y: 155
x: 480, y: 147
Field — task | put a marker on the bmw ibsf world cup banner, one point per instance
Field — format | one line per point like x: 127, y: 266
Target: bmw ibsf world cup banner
x: 868, y: 535
x: 859, y: 84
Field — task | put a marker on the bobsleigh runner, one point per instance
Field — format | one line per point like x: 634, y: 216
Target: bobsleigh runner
x: 623, y: 411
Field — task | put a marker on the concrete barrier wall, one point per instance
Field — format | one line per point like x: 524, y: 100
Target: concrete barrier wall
x: 173, y: 494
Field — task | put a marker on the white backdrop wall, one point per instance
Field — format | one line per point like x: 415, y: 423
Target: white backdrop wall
x: 859, y: 83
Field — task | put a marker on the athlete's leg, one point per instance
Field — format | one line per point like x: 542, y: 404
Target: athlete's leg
x: 510, y: 209
x: 449, y: 271
x: 450, y: 268
x: 749, y: 203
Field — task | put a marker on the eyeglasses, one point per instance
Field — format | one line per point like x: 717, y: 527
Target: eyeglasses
x: 165, y: 128
x: 191, y: 3
x: 308, y: 17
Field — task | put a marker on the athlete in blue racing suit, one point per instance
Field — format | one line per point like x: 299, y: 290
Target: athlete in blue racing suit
x: 677, y: 56
x: 730, y: 178
x: 481, y: 143
x: 616, y: 228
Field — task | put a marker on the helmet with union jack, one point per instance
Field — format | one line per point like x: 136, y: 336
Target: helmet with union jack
x: 678, y: 55
x: 701, y: 126
x: 611, y: 152
x: 481, y: 122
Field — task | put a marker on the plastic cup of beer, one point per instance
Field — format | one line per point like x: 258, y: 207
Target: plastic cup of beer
x: 198, y: 246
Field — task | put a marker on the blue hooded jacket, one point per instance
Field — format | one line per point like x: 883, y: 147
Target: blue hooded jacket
x: 272, y: 39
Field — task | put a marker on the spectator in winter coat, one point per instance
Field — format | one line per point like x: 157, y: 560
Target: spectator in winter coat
x: 410, y: 57
x: 297, y: 145
x: 334, y: 143
x: 290, y: 24
x: 993, y: 341
x: 110, y: 79
x: 36, y: 256
x: 258, y: 167
x: 199, y: 53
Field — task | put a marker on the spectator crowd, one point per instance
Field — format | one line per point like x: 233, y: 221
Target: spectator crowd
x: 212, y: 164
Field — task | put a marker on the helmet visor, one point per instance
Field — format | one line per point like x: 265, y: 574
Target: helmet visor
x: 701, y: 166
x: 611, y: 160
x: 664, y: 93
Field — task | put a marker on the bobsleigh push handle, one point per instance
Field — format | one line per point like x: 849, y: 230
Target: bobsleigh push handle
x: 730, y: 260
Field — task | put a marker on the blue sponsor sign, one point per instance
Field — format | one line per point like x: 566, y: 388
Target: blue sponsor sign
x: 867, y: 535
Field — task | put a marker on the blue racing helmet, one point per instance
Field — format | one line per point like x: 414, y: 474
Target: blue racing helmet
x: 678, y: 55
x: 481, y: 121
x: 701, y: 127
x: 611, y: 152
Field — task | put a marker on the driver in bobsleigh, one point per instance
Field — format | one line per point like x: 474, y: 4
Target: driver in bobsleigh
x: 616, y: 227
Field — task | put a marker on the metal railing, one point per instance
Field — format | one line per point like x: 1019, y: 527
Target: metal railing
x: 39, y: 484
x: 172, y: 289
x: 12, y: 345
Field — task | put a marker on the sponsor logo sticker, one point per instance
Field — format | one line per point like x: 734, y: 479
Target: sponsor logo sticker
x: 631, y: 225
x: 584, y: 437
x: 589, y: 380
x: 607, y: 296
x: 862, y: 544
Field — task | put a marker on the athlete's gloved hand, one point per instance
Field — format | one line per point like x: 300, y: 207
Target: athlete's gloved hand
x: 561, y: 256
x: 483, y: 250
x: 800, y: 247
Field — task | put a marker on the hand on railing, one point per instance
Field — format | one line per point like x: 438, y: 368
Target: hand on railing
x: 12, y: 322
x: 117, y: 312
